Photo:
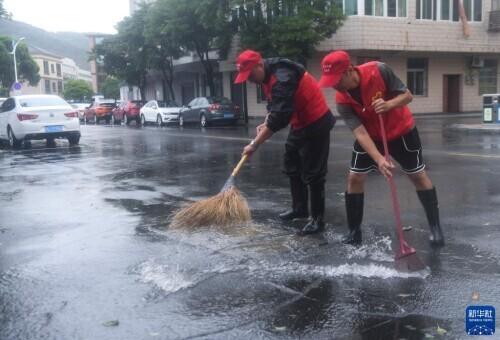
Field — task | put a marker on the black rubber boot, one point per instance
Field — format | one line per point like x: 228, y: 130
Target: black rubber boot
x: 430, y: 202
x: 316, y: 224
x: 300, y: 199
x: 354, y: 205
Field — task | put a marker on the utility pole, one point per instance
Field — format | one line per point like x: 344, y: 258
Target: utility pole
x: 14, y: 47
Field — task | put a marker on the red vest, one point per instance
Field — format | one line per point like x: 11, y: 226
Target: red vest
x: 397, y: 122
x: 309, y: 102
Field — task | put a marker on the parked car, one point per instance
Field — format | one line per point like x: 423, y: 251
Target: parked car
x: 208, y: 110
x: 128, y: 111
x: 99, y: 110
x: 29, y: 117
x: 160, y: 112
x: 80, y: 109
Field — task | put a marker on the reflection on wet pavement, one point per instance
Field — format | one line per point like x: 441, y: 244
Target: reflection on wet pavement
x: 84, y: 241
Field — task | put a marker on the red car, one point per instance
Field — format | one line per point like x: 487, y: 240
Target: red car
x: 127, y: 111
x: 100, y: 110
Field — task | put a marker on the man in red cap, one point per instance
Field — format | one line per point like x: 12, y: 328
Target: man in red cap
x: 294, y: 98
x: 364, y: 92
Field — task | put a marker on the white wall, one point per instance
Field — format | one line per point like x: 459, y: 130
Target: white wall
x: 410, y: 34
x: 438, y: 66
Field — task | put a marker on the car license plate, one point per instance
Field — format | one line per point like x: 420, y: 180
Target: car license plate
x: 228, y: 115
x: 54, y: 128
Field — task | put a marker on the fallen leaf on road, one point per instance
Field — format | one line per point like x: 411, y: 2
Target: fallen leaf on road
x: 441, y: 331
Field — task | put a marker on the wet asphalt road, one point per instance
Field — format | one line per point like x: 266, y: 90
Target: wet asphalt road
x: 85, y: 252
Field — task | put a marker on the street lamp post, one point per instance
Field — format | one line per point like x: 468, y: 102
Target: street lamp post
x: 14, y: 46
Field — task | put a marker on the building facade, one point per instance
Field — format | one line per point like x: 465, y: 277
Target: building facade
x: 85, y: 75
x: 448, y: 65
x: 71, y: 71
x: 51, y: 74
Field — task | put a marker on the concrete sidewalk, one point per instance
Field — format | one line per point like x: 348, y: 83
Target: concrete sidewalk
x: 256, y: 120
x: 477, y: 128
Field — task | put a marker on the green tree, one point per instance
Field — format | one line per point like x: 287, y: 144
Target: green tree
x: 165, y: 47
x: 27, y: 68
x: 79, y: 90
x: 110, y: 88
x: 3, y: 12
x: 126, y: 56
x: 287, y: 28
x: 201, y: 26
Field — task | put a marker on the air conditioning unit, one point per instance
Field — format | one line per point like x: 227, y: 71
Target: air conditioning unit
x: 477, y: 62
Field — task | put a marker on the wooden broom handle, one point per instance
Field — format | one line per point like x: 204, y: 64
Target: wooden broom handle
x: 239, y: 166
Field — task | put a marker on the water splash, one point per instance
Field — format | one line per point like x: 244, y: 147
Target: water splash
x: 169, y: 279
x: 173, y: 278
x: 368, y: 271
x: 380, y: 250
x: 347, y: 269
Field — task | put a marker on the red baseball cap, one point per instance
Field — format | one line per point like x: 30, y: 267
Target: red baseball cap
x: 245, y: 63
x: 333, y: 67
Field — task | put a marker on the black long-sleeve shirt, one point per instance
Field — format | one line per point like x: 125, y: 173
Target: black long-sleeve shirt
x: 288, y: 75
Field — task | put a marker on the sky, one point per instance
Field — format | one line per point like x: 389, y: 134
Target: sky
x: 70, y: 15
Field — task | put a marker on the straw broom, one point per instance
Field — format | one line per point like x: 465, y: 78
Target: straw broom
x: 226, y: 208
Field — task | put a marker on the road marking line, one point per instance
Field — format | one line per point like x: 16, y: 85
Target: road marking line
x: 459, y: 154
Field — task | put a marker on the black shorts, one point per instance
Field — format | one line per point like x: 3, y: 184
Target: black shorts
x: 406, y: 150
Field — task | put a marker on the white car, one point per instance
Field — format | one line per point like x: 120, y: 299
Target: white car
x: 2, y: 100
x: 80, y: 109
x: 28, y: 117
x: 160, y: 112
